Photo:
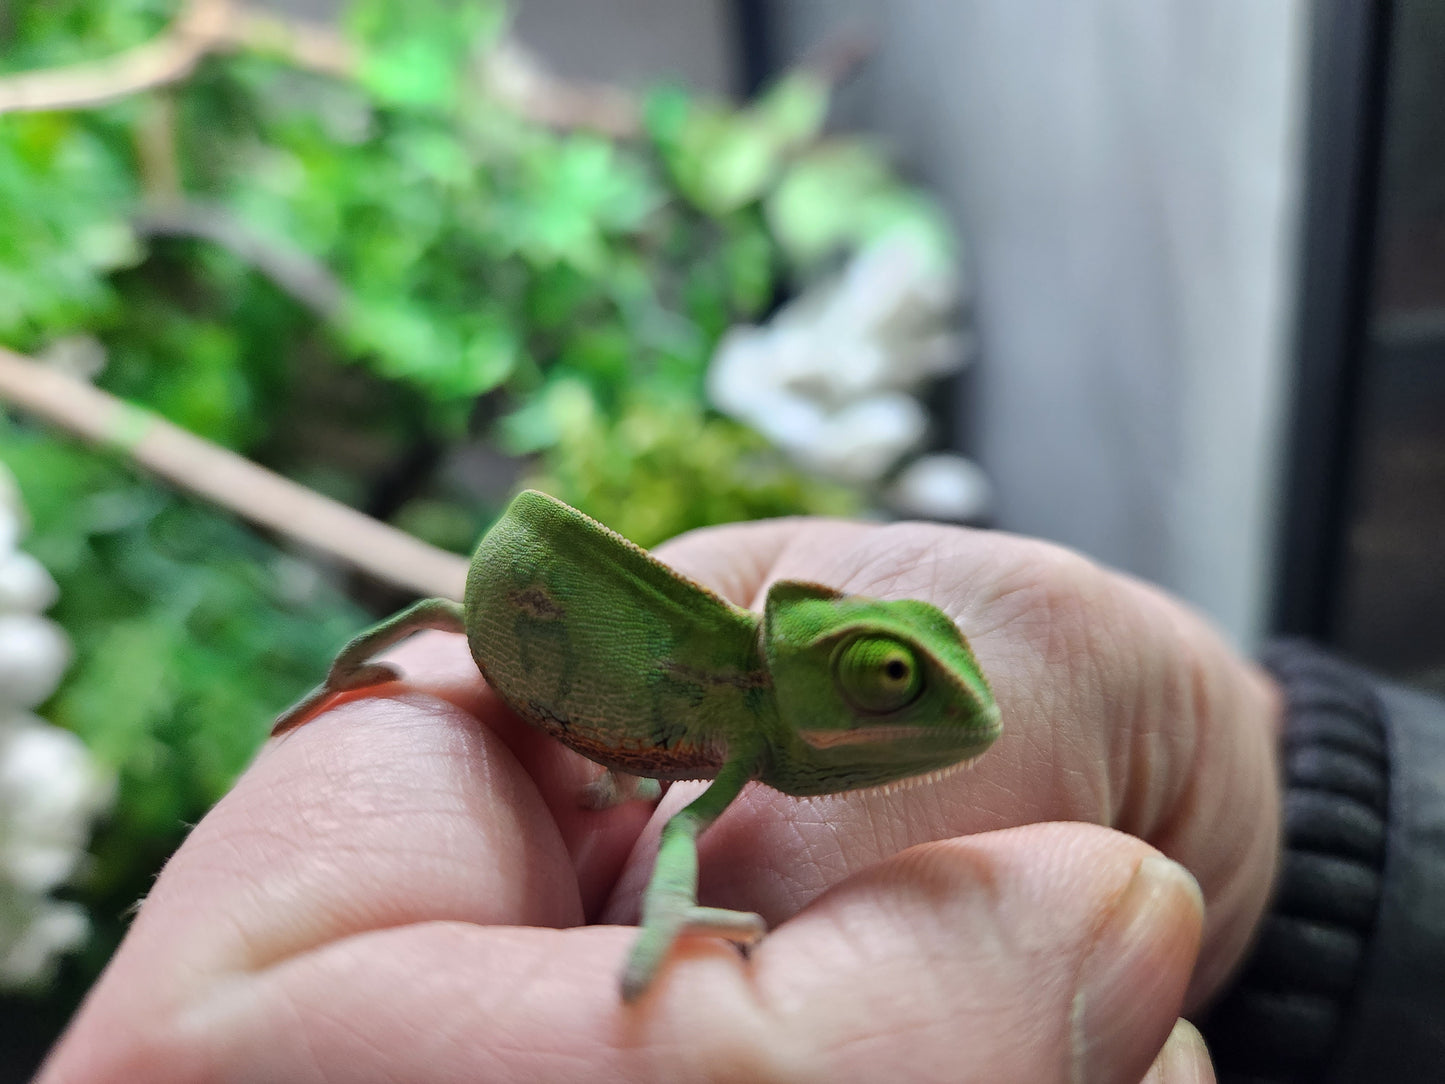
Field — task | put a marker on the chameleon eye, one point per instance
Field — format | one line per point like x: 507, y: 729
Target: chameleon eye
x: 877, y: 674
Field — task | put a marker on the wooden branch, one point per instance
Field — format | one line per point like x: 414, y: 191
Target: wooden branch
x: 230, y: 480
x: 309, y: 46
x: 165, y: 59
x: 202, y: 27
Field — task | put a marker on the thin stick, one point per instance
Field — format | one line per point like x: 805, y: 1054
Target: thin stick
x: 230, y: 480
x: 202, y: 27
x: 167, y: 58
x: 207, y: 26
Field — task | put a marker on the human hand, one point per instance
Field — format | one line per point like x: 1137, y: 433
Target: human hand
x: 394, y: 890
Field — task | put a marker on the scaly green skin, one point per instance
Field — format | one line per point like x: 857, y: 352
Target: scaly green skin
x: 589, y: 638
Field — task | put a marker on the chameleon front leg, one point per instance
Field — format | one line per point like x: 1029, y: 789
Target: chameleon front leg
x: 352, y: 670
x: 669, y: 906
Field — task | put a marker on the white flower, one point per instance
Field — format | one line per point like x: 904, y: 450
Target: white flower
x: 25, y: 584
x: 828, y: 379
x: 946, y: 487
x: 34, y: 652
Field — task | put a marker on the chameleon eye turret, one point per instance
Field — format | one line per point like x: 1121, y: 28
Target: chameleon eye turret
x: 877, y: 674
x: 594, y: 641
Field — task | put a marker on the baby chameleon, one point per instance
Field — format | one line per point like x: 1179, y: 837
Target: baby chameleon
x: 591, y: 639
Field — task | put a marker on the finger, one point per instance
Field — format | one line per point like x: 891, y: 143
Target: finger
x: 439, y: 665
x: 1120, y: 707
x: 738, y: 560
x: 376, y: 814
x: 1184, y: 1059
x: 380, y: 813
x: 1048, y: 953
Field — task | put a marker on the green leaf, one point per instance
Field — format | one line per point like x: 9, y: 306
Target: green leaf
x: 414, y: 54
x: 666, y: 111
x: 843, y: 195
x: 663, y: 466
x: 489, y: 356
x: 724, y: 159
x: 794, y: 108
x: 411, y: 72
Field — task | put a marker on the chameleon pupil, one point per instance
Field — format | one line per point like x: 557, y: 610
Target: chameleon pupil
x: 896, y: 669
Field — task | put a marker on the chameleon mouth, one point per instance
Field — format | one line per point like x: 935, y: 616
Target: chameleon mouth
x: 864, y: 735
x: 909, y: 782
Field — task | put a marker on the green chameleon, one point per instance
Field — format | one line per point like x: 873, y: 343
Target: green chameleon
x: 591, y: 639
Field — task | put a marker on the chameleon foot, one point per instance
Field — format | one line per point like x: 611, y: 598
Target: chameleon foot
x: 669, y: 906
x: 655, y: 941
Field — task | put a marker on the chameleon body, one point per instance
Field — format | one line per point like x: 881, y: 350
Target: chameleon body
x: 591, y: 639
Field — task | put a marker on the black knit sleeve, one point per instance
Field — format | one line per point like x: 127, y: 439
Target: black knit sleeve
x: 1346, y: 981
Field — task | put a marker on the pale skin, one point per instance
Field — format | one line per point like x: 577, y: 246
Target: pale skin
x: 406, y: 887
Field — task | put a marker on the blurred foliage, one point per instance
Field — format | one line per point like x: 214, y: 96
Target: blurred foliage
x: 659, y: 462
x: 353, y: 280
x: 174, y: 610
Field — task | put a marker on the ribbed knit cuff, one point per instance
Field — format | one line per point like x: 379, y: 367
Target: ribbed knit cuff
x: 1280, y: 1020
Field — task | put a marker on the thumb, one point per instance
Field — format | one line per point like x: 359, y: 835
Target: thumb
x: 1047, y: 952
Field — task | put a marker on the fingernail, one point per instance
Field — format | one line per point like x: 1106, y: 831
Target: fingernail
x: 1184, y: 1059
x: 1139, y: 964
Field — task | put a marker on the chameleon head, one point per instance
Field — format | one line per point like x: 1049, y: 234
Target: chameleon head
x: 869, y: 691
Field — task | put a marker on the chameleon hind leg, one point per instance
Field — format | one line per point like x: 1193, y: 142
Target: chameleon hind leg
x: 353, y: 669
x: 669, y: 906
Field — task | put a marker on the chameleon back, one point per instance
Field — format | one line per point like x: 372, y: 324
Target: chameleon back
x: 589, y: 638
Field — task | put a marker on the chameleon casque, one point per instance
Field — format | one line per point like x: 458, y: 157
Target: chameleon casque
x: 591, y: 639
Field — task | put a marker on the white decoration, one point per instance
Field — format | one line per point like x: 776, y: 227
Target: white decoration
x: 863, y: 439
x: 26, y: 586
x: 51, y: 790
x: 830, y: 380
x: 943, y: 486
x: 12, y: 523
x: 32, y: 942
x: 34, y: 652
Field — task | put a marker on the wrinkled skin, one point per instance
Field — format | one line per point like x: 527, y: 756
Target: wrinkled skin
x: 406, y: 888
